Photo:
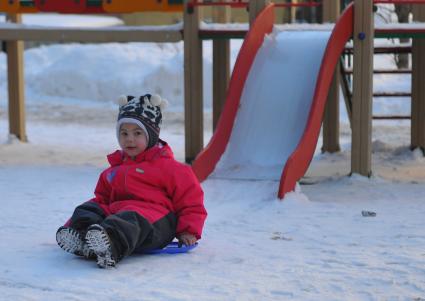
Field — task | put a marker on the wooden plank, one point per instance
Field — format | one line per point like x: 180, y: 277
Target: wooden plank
x: 418, y: 87
x: 15, y: 76
x: 92, y: 35
x: 221, y: 64
x: 362, y: 88
x: 331, y: 118
x: 331, y: 113
x: 222, y: 34
x: 331, y: 9
x: 255, y: 7
x: 193, y: 89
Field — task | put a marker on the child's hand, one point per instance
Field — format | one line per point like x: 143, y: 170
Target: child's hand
x: 187, y: 239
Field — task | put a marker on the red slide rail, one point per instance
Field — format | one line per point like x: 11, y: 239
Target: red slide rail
x: 245, y: 3
x: 300, y: 159
x: 206, y: 161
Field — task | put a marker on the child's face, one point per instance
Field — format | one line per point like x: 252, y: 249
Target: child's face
x: 132, y: 139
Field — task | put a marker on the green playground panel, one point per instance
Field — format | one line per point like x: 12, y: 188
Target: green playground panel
x: 27, y: 3
x: 401, y: 34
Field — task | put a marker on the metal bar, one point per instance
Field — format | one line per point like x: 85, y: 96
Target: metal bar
x: 387, y: 94
x: 206, y: 34
x: 241, y: 4
x: 399, y: 117
x: 384, y: 71
x: 392, y: 94
x: 384, y: 50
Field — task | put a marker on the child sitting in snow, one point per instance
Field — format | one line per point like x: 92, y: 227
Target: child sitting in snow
x: 144, y: 200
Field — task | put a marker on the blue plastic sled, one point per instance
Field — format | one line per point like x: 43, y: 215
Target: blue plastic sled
x: 171, y: 248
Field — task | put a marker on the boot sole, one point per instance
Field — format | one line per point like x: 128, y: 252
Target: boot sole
x: 98, y: 242
x: 70, y: 241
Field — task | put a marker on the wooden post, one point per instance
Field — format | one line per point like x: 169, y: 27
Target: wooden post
x: 418, y: 87
x: 331, y: 9
x: 331, y: 115
x: 193, y: 90
x: 362, y: 88
x: 255, y: 7
x: 221, y: 64
x: 15, y: 75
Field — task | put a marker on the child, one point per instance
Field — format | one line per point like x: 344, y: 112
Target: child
x: 144, y: 200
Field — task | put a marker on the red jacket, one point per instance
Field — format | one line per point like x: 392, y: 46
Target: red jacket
x: 152, y: 185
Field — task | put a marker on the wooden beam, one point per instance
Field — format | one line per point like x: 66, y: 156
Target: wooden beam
x: 331, y: 10
x: 221, y: 64
x: 13, y: 32
x: 418, y: 87
x: 331, y: 118
x: 15, y: 77
x: 331, y: 114
x: 193, y: 89
x: 255, y: 7
x: 362, y: 88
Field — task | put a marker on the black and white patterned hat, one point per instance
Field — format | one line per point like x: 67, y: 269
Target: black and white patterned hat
x: 145, y: 111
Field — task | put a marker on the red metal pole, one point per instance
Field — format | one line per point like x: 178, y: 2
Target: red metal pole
x: 241, y: 3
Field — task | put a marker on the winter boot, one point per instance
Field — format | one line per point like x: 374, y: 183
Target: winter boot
x: 71, y: 241
x: 98, y: 241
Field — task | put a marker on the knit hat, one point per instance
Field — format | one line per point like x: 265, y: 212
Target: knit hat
x: 145, y: 111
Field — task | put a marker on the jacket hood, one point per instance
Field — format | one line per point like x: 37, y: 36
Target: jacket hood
x: 161, y: 149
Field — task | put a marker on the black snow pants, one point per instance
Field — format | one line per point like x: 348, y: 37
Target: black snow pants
x: 128, y: 231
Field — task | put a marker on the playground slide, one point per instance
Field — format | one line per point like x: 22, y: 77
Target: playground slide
x: 275, y: 102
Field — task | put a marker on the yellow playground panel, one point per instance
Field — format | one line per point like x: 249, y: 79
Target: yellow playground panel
x: 17, y: 6
x: 129, y: 6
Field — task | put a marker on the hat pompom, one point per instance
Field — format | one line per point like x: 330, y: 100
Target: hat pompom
x: 156, y: 100
x: 122, y: 100
x: 164, y: 104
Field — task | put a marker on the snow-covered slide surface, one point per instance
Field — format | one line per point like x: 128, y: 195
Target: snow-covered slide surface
x: 274, y: 106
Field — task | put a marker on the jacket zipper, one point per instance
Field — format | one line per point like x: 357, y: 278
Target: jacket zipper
x: 125, y: 179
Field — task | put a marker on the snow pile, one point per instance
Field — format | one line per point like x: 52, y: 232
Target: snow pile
x: 102, y: 72
x: 68, y: 20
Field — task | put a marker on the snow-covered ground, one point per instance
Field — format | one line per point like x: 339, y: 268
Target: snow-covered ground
x: 314, y: 245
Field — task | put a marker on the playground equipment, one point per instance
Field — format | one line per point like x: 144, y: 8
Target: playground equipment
x: 356, y: 23
x: 297, y: 163
x: 302, y: 145
x: 89, y: 6
x: 69, y: 6
x: 129, y: 6
x: 15, y: 7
